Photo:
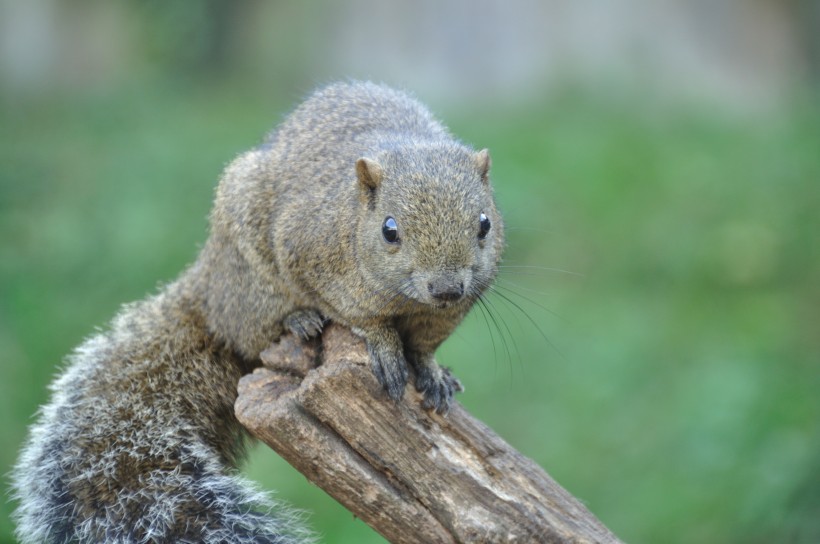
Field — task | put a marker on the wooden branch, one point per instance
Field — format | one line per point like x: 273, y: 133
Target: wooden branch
x: 414, y: 476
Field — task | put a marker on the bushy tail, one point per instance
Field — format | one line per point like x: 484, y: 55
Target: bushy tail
x: 192, y: 500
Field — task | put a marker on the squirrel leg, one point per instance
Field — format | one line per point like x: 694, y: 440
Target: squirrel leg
x: 436, y: 382
x: 423, y: 334
x: 304, y: 323
x: 387, y: 359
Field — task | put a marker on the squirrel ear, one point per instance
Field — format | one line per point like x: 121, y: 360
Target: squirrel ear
x: 483, y: 162
x: 370, y: 173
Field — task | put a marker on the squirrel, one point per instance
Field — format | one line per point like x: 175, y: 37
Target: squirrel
x: 360, y: 208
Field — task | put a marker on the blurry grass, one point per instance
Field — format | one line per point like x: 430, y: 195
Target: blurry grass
x: 675, y: 391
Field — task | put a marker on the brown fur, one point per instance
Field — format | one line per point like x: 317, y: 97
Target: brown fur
x: 139, y: 441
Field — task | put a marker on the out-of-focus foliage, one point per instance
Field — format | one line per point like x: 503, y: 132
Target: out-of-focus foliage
x: 655, y: 332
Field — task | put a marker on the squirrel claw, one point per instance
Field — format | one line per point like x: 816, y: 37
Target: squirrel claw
x: 304, y: 323
x: 390, y: 370
x: 439, y: 386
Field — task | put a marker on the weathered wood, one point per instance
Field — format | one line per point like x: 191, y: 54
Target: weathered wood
x: 414, y: 476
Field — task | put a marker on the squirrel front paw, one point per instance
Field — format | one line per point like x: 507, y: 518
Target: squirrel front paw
x: 304, y: 323
x: 389, y: 367
x: 437, y: 384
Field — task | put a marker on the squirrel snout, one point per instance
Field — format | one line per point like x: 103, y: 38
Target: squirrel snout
x: 442, y: 287
x: 446, y: 291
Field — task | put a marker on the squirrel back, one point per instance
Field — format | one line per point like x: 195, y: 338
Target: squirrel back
x: 359, y: 208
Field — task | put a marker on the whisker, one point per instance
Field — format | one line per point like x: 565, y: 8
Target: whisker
x: 511, y: 335
x: 490, y: 330
x: 512, y: 291
x: 519, y: 286
x: 531, y: 320
x: 395, y: 294
x: 542, y: 268
x: 498, y: 328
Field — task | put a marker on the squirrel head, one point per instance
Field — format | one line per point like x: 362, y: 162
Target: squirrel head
x: 428, y: 229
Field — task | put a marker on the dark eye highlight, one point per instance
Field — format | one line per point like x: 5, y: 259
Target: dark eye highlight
x: 483, y: 225
x: 390, y: 231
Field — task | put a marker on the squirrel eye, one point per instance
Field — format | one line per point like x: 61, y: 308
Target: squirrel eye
x: 390, y: 231
x: 483, y: 226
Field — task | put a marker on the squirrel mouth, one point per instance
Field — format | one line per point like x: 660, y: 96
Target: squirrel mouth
x: 440, y: 289
x: 444, y: 304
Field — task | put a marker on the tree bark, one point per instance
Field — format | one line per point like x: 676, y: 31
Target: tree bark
x: 412, y: 475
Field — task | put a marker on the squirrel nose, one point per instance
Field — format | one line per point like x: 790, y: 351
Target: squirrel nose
x: 445, y: 291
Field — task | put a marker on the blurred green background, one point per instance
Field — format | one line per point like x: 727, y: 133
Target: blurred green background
x: 658, y: 314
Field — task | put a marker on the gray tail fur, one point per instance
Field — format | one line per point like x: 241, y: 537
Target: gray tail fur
x: 197, y: 501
